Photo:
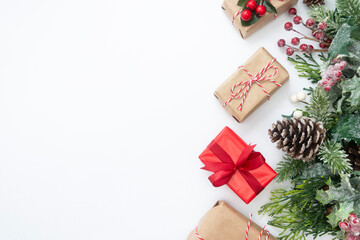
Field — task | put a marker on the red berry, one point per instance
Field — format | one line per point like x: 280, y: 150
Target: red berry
x: 322, y: 26
x: 313, y: 33
x: 288, y: 26
x: 310, y: 22
x: 311, y: 47
x: 350, y: 237
x: 281, y: 43
x: 297, y: 19
x: 260, y: 10
x: 338, y: 74
x: 344, y: 225
x: 246, y: 15
x: 327, y: 88
x: 352, y: 216
x: 328, y: 40
x: 304, y: 47
x: 295, y: 41
x: 319, y: 35
x: 339, y: 66
x: 251, y: 4
x: 289, y: 51
x: 322, y: 45
x: 343, y: 64
x: 355, y: 221
x: 292, y: 11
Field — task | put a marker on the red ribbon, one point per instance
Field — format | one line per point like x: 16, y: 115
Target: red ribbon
x: 223, y: 171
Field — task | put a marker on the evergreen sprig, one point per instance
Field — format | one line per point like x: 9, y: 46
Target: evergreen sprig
x: 349, y: 9
x: 331, y: 153
x: 297, y: 212
x: 319, y: 199
x: 320, y: 108
x: 289, y: 168
x: 307, y: 67
x: 332, y: 18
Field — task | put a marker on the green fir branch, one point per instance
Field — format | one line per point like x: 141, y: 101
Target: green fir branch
x: 307, y: 67
x: 349, y: 9
x: 289, y: 168
x: 323, y: 57
x: 332, y: 154
x: 297, y: 212
x: 332, y: 18
x: 319, y: 107
x: 309, y: 90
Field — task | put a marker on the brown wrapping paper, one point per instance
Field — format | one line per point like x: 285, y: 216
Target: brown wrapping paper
x: 231, y: 8
x: 223, y: 222
x: 255, y: 96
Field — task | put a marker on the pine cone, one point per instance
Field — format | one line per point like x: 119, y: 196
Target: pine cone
x: 300, y: 138
x: 353, y: 151
x: 310, y: 3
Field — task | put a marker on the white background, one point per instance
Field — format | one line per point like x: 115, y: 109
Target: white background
x: 105, y: 106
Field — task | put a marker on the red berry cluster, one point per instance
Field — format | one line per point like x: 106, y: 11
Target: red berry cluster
x: 318, y: 35
x: 332, y: 74
x: 251, y: 8
x: 352, y: 227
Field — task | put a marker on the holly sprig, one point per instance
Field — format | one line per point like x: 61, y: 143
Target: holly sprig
x: 253, y: 10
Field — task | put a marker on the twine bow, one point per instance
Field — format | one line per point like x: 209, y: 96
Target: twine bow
x: 246, y: 85
x: 246, y: 233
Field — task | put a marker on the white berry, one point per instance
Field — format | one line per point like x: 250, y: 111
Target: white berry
x: 293, y: 98
x: 298, y: 114
x: 301, y: 96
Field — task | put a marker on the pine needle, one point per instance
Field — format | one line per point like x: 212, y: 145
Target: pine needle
x: 289, y: 168
x: 307, y: 67
x: 320, y: 108
x: 350, y: 9
x: 297, y: 213
x: 331, y: 153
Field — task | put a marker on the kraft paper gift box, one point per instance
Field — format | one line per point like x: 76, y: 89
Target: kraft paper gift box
x: 236, y: 164
x: 231, y: 9
x: 256, y: 95
x: 223, y: 222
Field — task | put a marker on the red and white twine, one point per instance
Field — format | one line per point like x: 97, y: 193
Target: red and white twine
x: 246, y: 85
x: 197, y: 234
x: 237, y: 14
x: 246, y: 232
x: 248, y: 227
x: 261, y: 233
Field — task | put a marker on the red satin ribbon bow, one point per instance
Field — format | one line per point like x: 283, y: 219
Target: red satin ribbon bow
x: 223, y: 171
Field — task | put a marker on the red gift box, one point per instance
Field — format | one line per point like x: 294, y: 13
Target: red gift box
x: 236, y: 164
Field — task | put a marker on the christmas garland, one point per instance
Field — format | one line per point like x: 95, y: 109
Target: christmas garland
x: 322, y: 140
